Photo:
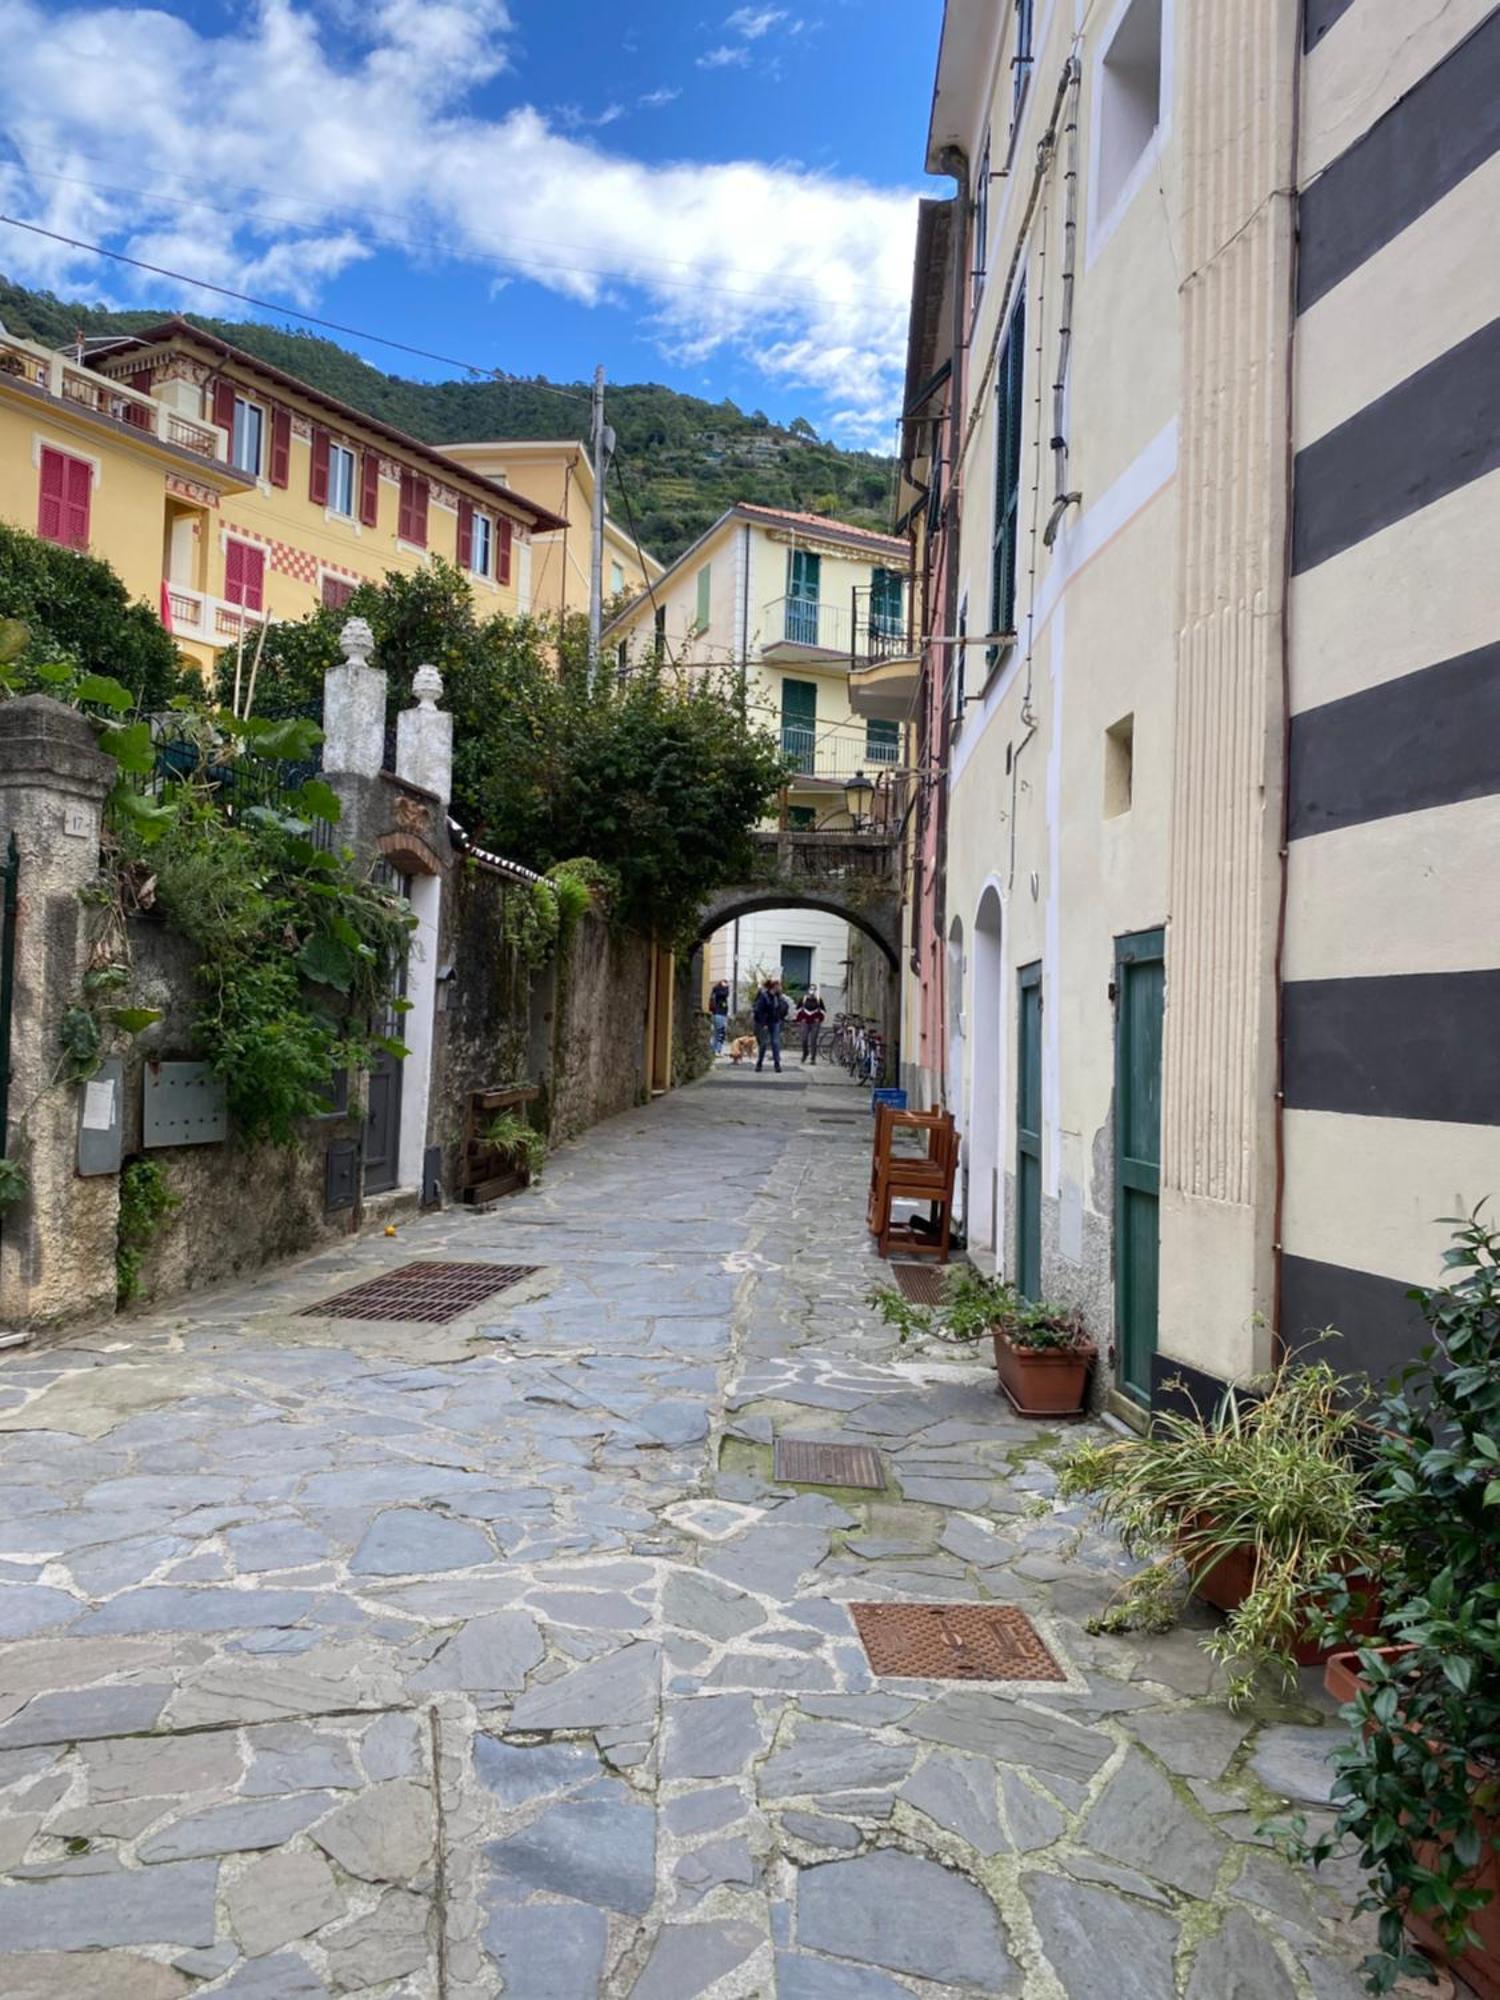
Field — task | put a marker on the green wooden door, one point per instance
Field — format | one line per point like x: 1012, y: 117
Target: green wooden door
x: 804, y: 579
x: 1029, y: 1135
x: 1139, y: 993
x: 799, y: 721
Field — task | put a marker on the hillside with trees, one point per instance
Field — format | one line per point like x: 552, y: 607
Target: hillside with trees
x: 684, y: 459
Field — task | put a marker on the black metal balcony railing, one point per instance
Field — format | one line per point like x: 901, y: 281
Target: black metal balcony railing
x: 833, y: 752
x: 881, y: 622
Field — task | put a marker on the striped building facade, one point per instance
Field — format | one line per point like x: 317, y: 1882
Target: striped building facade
x: 1390, y: 1003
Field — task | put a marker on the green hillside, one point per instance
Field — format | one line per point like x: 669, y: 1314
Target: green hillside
x: 685, y: 460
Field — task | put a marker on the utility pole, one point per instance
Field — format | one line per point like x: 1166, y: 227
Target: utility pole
x: 602, y: 440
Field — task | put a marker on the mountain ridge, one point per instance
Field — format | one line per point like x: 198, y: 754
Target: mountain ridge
x: 686, y: 459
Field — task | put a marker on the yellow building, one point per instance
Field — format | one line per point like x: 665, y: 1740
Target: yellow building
x: 795, y: 602
x: 559, y: 475
x: 224, y: 491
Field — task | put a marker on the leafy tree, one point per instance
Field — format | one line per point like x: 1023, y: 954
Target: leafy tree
x: 75, y: 608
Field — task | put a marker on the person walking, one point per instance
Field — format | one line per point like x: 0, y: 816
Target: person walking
x: 811, y: 1014
x: 771, y: 1010
x: 718, y: 1014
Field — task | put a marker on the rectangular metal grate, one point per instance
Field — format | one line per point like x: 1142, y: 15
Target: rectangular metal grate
x: 433, y: 1292
x: 954, y: 1642
x: 921, y: 1283
x: 802, y: 1462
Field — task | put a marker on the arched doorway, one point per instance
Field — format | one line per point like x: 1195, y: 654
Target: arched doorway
x: 987, y: 1075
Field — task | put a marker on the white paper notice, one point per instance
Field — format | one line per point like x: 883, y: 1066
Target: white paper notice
x: 99, y: 1105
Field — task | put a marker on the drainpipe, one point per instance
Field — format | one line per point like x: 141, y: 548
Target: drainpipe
x: 1062, y: 499
x: 954, y: 162
x: 1278, y: 1255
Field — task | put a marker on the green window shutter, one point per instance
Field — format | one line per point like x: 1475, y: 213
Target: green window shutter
x: 804, y: 575
x: 887, y: 602
x: 799, y: 720
x: 1008, y: 385
x: 882, y: 741
x: 704, y: 581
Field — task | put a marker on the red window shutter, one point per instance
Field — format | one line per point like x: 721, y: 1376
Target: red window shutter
x: 53, y: 490
x: 140, y: 381
x: 505, y: 531
x: 80, y: 482
x: 234, y: 571
x: 224, y: 407
x: 281, y: 447
x: 419, y: 512
x: 255, y: 578
x: 465, y: 533
x: 317, y: 489
x: 337, y: 591
x: 405, y: 509
x: 369, y: 489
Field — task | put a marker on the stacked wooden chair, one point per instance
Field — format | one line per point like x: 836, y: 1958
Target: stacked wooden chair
x: 927, y: 1176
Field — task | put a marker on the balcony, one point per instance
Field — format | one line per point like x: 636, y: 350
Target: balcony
x: 829, y: 753
x: 43, y: 369
x: 804, y: 628
x: 885, y: 661
x: 211, y: 621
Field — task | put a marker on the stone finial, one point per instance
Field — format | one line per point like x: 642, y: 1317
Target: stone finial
x: 357, y: 642
x: 427, y: 686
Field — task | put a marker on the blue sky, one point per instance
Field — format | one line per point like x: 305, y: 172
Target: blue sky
x: 717, y: 197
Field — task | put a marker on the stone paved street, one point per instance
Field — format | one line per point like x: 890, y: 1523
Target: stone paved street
x: 435, y: 1661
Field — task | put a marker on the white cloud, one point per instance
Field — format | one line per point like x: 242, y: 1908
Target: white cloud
x: 575, y: 119
x: 654, y: 100
x: 724, y: 58
x: 277, y: 154
x: 753, y: 22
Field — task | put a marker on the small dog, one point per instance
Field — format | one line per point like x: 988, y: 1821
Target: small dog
x: 742, y: 1048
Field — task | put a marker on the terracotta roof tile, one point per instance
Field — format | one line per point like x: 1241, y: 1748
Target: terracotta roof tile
x: 822, y: 521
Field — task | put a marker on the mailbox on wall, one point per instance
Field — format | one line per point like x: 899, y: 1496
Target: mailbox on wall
x: 101, y: 1121
x: 182, y: 1104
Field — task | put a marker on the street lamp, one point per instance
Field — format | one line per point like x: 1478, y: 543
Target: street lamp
x: 859, y: 796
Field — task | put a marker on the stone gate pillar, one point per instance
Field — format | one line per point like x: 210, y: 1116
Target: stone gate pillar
x: 57, y: 1247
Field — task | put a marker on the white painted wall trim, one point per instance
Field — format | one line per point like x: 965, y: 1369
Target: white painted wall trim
x: 416, y: 1029
x: 1052, y: 932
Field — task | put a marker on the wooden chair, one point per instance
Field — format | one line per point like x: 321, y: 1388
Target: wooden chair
x: 887, y: 1122
x: 929, y: 1179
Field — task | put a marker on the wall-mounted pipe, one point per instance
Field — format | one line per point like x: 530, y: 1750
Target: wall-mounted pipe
x: 1062, y: 499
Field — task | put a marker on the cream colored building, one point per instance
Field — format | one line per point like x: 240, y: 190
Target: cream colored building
x: 560, y: 476
x: 788, y: 602
x: 1214, y: 505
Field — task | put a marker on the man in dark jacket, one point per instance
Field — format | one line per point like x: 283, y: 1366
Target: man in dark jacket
x: 718, y: 1014
x: 771, y: 1010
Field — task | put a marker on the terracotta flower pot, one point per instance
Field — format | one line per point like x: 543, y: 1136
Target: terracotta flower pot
x: 1232, y: 1578
x: 1044, y: 1381
x: 1479, y: 1965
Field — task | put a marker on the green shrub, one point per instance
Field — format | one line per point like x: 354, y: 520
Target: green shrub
x: 76, y: 609
x: 145, y: 1203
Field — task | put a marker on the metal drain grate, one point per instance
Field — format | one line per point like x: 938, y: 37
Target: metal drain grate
x: 921, y: 1283
x: 432, y: 1292
x: 954, y: 1642
x: 801, y: 1462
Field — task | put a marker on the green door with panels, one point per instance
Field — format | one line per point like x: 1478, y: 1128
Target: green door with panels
x: 799, y: 721
x: 1029, y: 1135
x: 803, y: 582
x: 1139, y: 993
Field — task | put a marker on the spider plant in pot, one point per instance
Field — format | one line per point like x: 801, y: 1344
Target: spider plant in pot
x: 1417, y: 1790
x: 1265, y: 1508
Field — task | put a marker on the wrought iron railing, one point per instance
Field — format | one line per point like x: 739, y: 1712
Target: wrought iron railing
x: 881, y: 622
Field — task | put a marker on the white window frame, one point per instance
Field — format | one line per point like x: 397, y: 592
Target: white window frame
x: 340, y: 454
x: 980, y: 261
x: 258, y: 410
x: 1101, y: 226
x: 483, y: 524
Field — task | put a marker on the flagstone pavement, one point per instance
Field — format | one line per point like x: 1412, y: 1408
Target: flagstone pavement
x: 343, y: 1657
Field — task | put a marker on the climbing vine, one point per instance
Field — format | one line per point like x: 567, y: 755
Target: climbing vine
x: 146, y: 1201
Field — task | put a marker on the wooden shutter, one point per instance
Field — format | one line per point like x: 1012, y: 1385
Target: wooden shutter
x: 505, y: 534
x: 281, y: 447
x: 419, y: 512
x: 255, y: 578
x: 78, y: 493
x: 465, y: 534
x: 369, y: 488
x: 140, y: 381
x: 234, y: 572
x: 224, y: 408
x: 52, y: 495
x: 406, y: 511
x: 317, y: 482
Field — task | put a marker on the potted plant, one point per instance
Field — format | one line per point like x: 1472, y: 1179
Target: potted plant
x: 1042, y: 1353
x: 1418, y: 1784
x: 1265, y: 1506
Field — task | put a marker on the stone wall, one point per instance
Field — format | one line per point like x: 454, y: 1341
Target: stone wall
x: 599, y: 1000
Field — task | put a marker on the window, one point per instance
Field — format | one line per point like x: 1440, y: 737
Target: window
x: 1119, y: 767
x: 799, y: 721
x: 659, y: 634
x: 796, y: 968
x: 248, y: 436
x: 705, y: 584
x: 616, y: 578
x: 481, y: 544
x: 887, y: 603
x: 1129, y: 101
x: 1005, y: 532
x: 341, y: 480
x: 1020, y: 62
x: 337, y: 590
x: 65, y: 490
x: 882, y: 742
x: 804, y: 581
x: 411, y: 519
x: 369, y: 488
x: 981, y: 223
x: 245, y: 575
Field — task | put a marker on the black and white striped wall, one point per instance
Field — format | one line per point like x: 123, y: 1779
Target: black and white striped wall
x: 1391, y: 1007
